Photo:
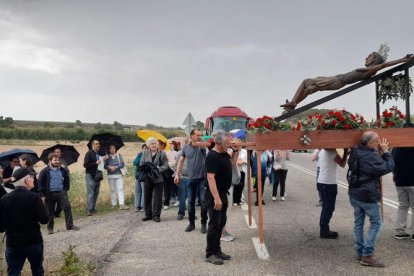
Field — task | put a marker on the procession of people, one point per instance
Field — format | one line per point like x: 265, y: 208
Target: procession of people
x: 197, y: 173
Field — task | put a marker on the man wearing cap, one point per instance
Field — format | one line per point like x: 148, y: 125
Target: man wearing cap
x: 53, y: 186
x: 20, y: 214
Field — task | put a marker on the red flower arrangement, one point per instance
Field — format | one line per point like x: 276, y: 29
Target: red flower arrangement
x: 390, y: 119
x: 266, y: 124
x: 334, y: 119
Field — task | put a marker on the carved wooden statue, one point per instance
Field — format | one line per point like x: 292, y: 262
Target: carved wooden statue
x: 374, y: 62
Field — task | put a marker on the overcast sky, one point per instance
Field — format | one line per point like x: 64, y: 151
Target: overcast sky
x: 139, y: 62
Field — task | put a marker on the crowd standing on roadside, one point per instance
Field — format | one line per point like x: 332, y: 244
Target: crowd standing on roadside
x: 178, y: 176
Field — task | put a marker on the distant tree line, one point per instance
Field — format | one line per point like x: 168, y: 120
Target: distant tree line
x: 6, y: 122
x: 9, y: 129
x: 73, y: 134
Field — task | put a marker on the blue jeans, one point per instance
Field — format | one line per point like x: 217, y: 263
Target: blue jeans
x: 182, y: 195
x: 139, y: 194
x: 328, y: 192
x: 366, y: 247
x: 16, y: 256
x: 92, y: 190
x: 193, y: 184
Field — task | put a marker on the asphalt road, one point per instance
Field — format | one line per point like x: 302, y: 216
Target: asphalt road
x: 121, y: 244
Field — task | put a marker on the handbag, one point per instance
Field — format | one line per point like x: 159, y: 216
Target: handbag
x: 148, y: 172
x: 235, y: 175
x: 124, y: 171
x: 98, y: 176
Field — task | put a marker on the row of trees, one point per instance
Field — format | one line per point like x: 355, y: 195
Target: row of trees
x: 6, y: 122
x: 72, y: 134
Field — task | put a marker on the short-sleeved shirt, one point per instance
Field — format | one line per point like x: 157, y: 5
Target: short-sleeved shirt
x: 220, y: 165
x: 327, y: 167
x: 196, y: 158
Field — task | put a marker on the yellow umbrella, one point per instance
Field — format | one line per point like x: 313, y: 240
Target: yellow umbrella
x: 144, y: 134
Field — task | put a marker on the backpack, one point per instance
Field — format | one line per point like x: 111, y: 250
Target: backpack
x: 353, y: 170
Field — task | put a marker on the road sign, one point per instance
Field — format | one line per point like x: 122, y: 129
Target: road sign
x: 189, y: 120
x: 188, y: 129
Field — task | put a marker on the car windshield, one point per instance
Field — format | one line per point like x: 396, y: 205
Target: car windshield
x: 229, y: 123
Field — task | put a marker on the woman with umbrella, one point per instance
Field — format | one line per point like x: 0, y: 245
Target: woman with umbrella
x: 153, y: 187
x: 113, y: 165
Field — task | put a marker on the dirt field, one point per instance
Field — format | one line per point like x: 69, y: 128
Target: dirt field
x: 128, y: 152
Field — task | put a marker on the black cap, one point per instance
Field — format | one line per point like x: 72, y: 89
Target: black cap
x: 22, y: 172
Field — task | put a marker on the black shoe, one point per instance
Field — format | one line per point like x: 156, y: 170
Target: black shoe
x: 224, y: 256
x: 180, y: 217
x: 190, y: 228
x: 203, y: 228
x: 73, y: 228
x: 214, y: 260
x: 146, y: 218
x: 329, y: 235
x: 88, y: 213
x: 157, y: 219
x: 50, y: 231
x: 402, y: 236
x: 257, y: 203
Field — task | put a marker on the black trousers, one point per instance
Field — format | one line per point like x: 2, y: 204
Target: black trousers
x: 280, y: 178
x: 216, y: 223
x: 168, y: 184
x: 263, y: 186
x: 238, y: 189
x: 62, y: 200
x: 153, y: 199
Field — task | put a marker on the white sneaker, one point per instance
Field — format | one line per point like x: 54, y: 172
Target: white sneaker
x: 226, y: 238
x: 282, y: 198
x: 227, y: 234
x: 176, y: 204
x: 273, y: 198
x: 166, y: 207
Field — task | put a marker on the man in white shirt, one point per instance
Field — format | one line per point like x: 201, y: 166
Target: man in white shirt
x: 328, y: 159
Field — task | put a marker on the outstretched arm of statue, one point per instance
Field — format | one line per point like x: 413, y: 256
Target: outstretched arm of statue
x: 391, y: 63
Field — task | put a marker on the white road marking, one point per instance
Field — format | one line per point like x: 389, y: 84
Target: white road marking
x: 341, y: 184
x: 254, y: 225
x: 260, y: 249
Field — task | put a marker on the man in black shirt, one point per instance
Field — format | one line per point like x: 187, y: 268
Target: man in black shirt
x: 219, y: 175
x: 20, y: 214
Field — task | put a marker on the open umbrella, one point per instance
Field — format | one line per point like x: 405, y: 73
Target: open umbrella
x: 205, y: 138
x: 106, y: 139
x: 6, y: 155
x: 69, y: 153
x: 239, y: 133
x: 144, y: 134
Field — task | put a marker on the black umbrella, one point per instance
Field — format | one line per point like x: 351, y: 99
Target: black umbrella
x: 106, y: 139
x: 6, y: 155
x: 69, y: 153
